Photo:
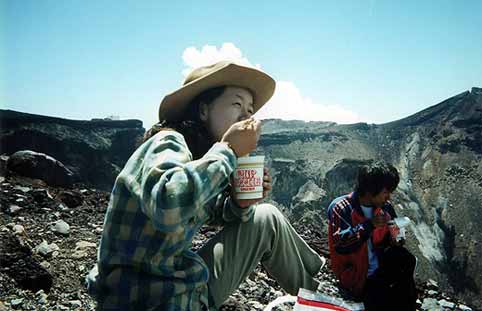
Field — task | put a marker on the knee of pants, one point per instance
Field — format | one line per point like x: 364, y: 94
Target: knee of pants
x: 268, y: 220
x: 268, y: 214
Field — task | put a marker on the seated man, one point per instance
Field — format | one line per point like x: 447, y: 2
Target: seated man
x: 368, y: 262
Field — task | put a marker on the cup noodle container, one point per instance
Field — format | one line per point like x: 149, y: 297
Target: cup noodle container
x: 397, y: 227
x: 248, y: 177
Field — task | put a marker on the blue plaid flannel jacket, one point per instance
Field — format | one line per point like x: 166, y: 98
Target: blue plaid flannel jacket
x: 159, y: 201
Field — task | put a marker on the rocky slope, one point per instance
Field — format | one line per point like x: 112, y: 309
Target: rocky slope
x: 94, y: 151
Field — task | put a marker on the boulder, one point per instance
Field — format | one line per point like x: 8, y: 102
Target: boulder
x: 40, y: 166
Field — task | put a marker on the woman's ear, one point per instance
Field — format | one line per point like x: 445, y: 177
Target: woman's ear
x: 203, y: 112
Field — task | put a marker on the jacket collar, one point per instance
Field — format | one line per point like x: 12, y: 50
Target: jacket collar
x: 355, y: 202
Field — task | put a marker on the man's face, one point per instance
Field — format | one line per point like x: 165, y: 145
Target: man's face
x: 234, y: 105
x: 381, y: 198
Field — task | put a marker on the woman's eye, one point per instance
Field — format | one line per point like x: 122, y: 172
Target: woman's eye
x: 237, y: 104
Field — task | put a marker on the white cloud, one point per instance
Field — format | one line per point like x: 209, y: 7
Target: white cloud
x: 287, y: 102
x: 210, y: 54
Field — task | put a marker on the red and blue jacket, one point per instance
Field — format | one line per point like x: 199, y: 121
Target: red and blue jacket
x: 348, y: 234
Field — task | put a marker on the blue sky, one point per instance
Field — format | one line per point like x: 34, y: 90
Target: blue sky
x: 343, y: 61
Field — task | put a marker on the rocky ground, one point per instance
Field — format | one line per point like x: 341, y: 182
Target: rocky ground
x: 49, y: 238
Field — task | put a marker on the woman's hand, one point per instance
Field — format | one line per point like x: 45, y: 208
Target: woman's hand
x: 248, y: 202
x: 243, y: 136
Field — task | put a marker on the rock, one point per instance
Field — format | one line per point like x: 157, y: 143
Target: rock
x: 61, y: 227
x: 84, y: 244
x: 16, y: 302
x: 431, y: 284
x: 430, y: 304
x: 18, y: 229
x: 464, y: 307
x: 46, y: 249
x: 45, y: 264
x: 41, y: 297
x: 255, y: 305
x: 23, y: 189
x: 41, y: 166
x: 432, y: 292
x: 70, y: 198
x: 446, y: 304
x: 14, y: 209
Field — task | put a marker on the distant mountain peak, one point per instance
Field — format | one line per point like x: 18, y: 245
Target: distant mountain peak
x: 466, y: 105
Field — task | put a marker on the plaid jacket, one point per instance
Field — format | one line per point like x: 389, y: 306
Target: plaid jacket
x: 159, y: 201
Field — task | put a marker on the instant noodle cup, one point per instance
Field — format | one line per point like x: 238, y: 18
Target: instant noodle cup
x: 248, y: 177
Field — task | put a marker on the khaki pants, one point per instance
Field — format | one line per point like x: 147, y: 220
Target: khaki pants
x: 268, y: 238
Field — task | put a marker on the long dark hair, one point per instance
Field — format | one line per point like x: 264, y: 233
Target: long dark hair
x: 197, y: 137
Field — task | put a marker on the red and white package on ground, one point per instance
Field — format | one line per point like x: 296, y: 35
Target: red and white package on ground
x: 314, y: 301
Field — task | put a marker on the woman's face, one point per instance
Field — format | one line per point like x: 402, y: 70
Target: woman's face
x: 234, y: 105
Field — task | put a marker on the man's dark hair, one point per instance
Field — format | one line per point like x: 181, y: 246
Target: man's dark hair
x: 374, y: 177
x: 191, y: 127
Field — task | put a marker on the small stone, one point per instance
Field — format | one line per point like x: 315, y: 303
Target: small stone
x: 84, y: 244
x: 18, y: 229
x: 432, y: 284
x: 255, y: 305
x: 23, y: 189
x: 79, y: 254
x: 45, y: 264
x: 432, y: 292
x: 464, y: 307
x: 41, y: 297
x: 45, y: 249
x: 16, y: 302
x: 61, y: 227
x: 446, y: 304
x: 429, y: 304
x: 63, y: 207
x: 14, y: 209
x: 20, y: 200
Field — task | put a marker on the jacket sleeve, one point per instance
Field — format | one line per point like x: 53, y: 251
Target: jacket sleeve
x: 346, y: 237
x: 225, y: 210
x: 172, y: 186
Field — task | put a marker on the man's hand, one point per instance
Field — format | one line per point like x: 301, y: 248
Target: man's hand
x: 248, y: 202
x: 379, y: 220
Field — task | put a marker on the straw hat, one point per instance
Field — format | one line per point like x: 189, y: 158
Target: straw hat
x: 222, y: 73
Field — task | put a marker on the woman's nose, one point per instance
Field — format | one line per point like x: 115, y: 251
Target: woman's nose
x: 245, y: 114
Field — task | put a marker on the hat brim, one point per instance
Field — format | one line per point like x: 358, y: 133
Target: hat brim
x: 260, y: 84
